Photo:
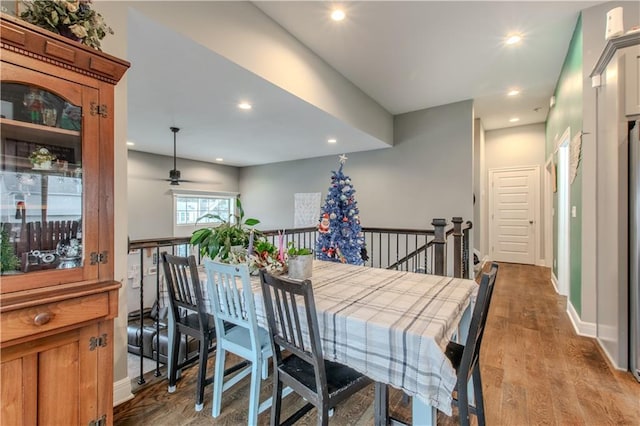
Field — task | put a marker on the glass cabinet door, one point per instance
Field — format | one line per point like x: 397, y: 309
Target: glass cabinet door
x: 43, y: 182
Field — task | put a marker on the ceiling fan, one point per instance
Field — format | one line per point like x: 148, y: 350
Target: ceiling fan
x: 174, y: 175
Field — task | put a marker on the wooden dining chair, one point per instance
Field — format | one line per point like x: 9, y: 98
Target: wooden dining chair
x: 187, y: 307
x: 231, y: 298
x: 293, y: 326
x: 466, y: 358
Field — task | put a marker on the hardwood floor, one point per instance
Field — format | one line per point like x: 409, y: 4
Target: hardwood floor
x: 535, y: 369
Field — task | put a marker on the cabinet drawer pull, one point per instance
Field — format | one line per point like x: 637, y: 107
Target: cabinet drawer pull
x: 42, y: 318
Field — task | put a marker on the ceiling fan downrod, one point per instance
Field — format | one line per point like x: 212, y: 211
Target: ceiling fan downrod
x: 174, y: 175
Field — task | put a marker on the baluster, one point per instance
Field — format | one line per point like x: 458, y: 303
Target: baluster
x: 465, y: 251
x: 457, y: 247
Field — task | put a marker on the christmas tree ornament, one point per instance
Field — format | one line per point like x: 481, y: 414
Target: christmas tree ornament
x: 323, y: 227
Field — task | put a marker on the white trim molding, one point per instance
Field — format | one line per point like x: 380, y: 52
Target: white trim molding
x: 122, y: 391
x: 554, y: 282
x: 582, y: 328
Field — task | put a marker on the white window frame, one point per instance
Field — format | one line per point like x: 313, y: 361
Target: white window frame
x: 185, y: 230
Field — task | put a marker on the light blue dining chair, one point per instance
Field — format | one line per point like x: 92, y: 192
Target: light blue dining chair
x: 229, y: 289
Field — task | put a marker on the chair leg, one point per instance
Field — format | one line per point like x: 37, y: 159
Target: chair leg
x: 218, y: 382
x: 202, y: 374
x: 463, y: 403
x: 323, y: 413
x: 254, y: 391
x: 276, y: 399
x: 477, y: 392
x: 174, y: 342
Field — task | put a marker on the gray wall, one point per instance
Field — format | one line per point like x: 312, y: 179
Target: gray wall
x: 427, y: 173
x: 593, y: 42
x: 150, y: 195
x: 479, y: 225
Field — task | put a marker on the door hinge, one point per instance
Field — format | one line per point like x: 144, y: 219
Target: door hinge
x: 101, y: 341
x: 100, y: 110
x: 102, y: 421
x: 98, y: 257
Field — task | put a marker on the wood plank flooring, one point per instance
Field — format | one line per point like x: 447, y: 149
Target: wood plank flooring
x: 536, y: 371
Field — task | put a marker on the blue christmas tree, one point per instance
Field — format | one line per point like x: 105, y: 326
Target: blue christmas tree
x: 340, y: 234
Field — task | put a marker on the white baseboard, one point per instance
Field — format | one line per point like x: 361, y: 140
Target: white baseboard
x: 554, y: 281
x: 609, y: 357
x: 582, y: 328
x: 122, y: 391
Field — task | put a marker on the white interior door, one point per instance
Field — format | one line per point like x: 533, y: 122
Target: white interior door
x: 514, y: 214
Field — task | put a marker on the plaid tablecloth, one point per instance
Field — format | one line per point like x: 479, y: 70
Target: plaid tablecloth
x: 392, y: 326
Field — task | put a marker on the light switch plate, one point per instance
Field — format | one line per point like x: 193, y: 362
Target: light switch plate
x: 574, y: 212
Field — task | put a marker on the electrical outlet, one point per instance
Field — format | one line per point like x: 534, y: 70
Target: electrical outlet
x: 135, y: 283
x: 152, y: 270
x: 155, y: 258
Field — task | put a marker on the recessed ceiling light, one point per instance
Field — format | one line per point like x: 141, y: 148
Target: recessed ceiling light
x: 244, y: 105
x: 514, y: 120
x: 338, y: 15
x: 513, y: 92
x: 332, y: 140
x: 219, y: 159
x: 130, y: 143
x: 513, y: 39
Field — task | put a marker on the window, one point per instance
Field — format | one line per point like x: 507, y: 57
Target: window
x: 190, y: 208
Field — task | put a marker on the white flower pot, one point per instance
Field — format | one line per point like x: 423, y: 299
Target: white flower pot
x: 300, y: 267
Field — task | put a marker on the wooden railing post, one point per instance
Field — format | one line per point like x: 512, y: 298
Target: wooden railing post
x: 439, y: 241
x: 457, y: 247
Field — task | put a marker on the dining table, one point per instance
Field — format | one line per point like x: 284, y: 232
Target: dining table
x: 390, y: 325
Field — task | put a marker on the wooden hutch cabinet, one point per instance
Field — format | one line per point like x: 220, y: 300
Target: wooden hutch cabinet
x: 58, y: 297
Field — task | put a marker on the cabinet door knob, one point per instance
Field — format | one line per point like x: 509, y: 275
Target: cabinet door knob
x: 42, y: 318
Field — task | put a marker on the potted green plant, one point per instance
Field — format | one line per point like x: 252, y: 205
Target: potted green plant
x: 218, y: 242
x: 8, y: 260
x: 41, y: 158
x: 299, y: 262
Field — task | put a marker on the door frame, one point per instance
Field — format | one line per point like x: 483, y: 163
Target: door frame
x: 563, y: 214
x: 536, y: 206
x: 548, y: 210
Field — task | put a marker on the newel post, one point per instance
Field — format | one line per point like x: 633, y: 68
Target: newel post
x: 457, y: 247
x: 439, y: 241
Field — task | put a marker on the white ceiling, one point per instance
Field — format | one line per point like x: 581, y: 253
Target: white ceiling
x: 405, y: 55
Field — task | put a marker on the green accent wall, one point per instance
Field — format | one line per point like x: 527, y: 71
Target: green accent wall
x: 567, y: 112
